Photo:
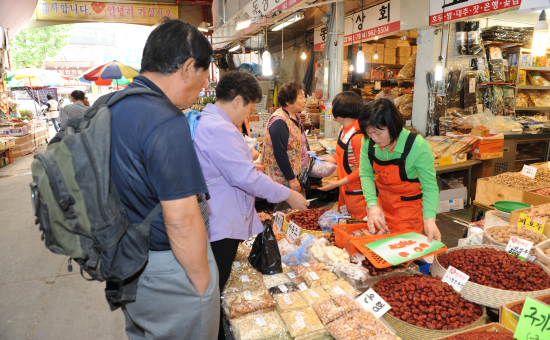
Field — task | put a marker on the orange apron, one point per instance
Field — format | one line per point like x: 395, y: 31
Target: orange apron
x: 399, y: 197
x: 351, y: 195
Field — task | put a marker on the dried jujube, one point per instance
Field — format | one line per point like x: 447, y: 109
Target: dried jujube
x: 482, y: 336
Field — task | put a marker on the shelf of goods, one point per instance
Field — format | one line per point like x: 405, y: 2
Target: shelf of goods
x: 533, y: 108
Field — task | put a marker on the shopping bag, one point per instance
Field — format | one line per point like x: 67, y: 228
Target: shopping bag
x: 265, y: 256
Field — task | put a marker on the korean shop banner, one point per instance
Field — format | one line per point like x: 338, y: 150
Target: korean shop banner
x: 460, y: 9
x: 143, y: 13
x: 377, y: 20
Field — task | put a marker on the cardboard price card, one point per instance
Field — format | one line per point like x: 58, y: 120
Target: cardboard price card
x: 371, y: 301
x: 293, y: 231
x: 534, y: 321
x: 529, y: 171
x: 531, y: 223
x: 278, y: 220
x: 403, y: 248
x: 519, y: 247
x: 455, y: 278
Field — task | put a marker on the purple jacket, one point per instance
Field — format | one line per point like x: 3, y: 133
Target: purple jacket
x: 231, y: 177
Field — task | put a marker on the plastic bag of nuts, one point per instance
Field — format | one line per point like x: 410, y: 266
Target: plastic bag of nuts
x: 318, y: 278
x: 242, y: 253
x: 259, y: 326
x: 289, y: 301
x: 303, y: 323
x: 242, y: 267
x: 330, y: 310
x: 240, y: 282
x: 239, y: 304
x: 275, y: 280
x: 358, y: 324
x: 314, y: 295
x: 340, y: 286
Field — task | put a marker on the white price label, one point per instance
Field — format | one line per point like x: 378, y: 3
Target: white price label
x: 248, y: 243
x: 455, y: 278
x: 313, y: 294
x: 338, y: 290
x: 291, y: 275
x: 472, y: 85
x: 408, y: 123
x: 283, y: 288
x: 377, y: 85
x: 529, y: 171
x: 279, y: 220
x: 236, y: 264
x: 293, y: 231
x: 305, y: 264
x: 260, y: 321
x: 313, y: 276
x: 247, y: 295
x: 244, y: 278
x: 302, y: 286
x: 519, y: 247
x: 344, y: 210
x: 371, y: 301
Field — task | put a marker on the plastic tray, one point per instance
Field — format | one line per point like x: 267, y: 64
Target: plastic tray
x: 376, y: 260
x: 509, y: 206
x: 343, y: 239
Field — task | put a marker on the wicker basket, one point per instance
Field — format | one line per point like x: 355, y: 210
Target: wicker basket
x: 303, y: 231
x: 411, y: 332
x: 483, y: 295
x: 487, y: 239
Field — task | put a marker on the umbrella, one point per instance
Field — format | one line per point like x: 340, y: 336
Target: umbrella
x: 33, y: 78
x: 104, y: 82
x: 113, y: 70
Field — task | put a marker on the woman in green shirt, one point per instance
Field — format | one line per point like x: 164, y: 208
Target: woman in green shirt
x: 404, y: 163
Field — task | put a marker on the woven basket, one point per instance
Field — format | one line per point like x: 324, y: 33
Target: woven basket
x: 411, y: 332
x: 487, y: 239
x: 483, y: 295
x: 303, y: 231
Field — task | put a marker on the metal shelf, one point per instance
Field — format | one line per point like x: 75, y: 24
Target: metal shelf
x: 531, y: 87
x: 527, y: 159
x: 533, y: 68
x: 533, y: 108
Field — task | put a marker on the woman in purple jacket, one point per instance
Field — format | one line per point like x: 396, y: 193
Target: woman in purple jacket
x: 230, y: 173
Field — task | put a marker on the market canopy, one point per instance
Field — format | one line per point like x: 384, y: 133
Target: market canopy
x: 33, y: 77
x: 113, y: 70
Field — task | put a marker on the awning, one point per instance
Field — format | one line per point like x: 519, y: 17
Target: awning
x: 15, y: 14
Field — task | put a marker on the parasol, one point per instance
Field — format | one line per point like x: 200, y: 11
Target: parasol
x: 113, y: 70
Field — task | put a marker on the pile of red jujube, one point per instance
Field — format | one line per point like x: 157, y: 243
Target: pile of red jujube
x: 482, y: 336
x: 308, y: 219
x: 519, y: 307
x: 426, y: 302
x: 497, y: 269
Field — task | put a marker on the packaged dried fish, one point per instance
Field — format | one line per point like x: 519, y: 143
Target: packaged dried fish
x: 260, y: 326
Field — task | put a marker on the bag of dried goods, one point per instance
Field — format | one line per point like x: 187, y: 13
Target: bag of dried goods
x: 314, y: 295
x: 238, y: 282
x: 300, y: 255
x: 259, y: 326
x: 242, y: 267
x: 408, y: 71
x: 318, y: 278
x: 330, y: 310
x: 320, y: 168
x: 239, y: 304
x: 289, y: 301
x: 308, y: 266
x: 340, y: 286
x: 284, y: 288
x: 353, y: 271
x: 358, y: 324
x: 328, y: 219
x: 303, y: 323
x: 242, y: 252
x: 275, y: 280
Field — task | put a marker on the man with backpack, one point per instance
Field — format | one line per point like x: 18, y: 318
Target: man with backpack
x: 121, y: 192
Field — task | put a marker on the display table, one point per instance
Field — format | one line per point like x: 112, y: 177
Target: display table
x: 459, y: 167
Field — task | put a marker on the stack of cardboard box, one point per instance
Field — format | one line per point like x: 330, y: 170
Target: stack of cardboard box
x: 25, y: 145
x: 488, y: 148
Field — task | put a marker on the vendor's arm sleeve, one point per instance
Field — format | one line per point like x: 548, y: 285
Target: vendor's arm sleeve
x: 424, y: 164
x: 234, y: 161
x: 356, y: 147
x: 279, y: 137
x: 366, y: 174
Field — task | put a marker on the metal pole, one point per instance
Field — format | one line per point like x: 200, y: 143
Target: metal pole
x: 335, y: 57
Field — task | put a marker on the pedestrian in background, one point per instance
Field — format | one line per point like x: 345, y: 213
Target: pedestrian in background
x: 53, y: 111
x: 72, y: 110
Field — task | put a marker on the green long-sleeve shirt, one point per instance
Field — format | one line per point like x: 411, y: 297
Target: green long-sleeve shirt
x: 419, y: 164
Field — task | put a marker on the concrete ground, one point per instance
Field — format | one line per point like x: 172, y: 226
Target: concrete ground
x: 39, y: 298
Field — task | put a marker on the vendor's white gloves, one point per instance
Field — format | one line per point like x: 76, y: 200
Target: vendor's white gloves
x: 376, y: 219
x: 431, y: 230
x: 297, y: 201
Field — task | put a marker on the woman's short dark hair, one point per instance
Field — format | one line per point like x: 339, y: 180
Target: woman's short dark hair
x: 406, y: 85
x: 170, y: 45
x: 78, y: 95
x: 49, y: 96
x: 379, y: 114
x: 237, y: 83
x: 347, y: 105
x: 289, y: 92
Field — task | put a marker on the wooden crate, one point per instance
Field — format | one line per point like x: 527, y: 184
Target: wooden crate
x: 514, y: 219
x: 531, y: 198
x: 488, y: 193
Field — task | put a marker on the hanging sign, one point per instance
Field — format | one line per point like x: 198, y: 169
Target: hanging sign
x: 377, y: 20
x: 75, y: 11
x: 460, y: 9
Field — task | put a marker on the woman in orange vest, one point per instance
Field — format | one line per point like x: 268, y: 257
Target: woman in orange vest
x: 408, y: 195
x: 346, y: 108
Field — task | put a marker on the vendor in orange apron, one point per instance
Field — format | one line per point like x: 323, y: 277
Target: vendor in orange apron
x: 404, y: 196
x: 346, y: 107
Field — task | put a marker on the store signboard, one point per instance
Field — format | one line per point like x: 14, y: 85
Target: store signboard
x: 76, y: 11
x: 377, y: 20
x: 461, y: 9
x: 403, y: 248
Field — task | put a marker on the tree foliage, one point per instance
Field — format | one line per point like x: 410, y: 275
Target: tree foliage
x: 31, y: 48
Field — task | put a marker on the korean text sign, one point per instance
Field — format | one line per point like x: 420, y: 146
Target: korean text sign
x: 403, y: 248
x: 534, y: 321
x: 459, y: 9
x: 104, y: 12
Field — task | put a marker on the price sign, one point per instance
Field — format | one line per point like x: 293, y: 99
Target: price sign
x: 291, y: 275
x: 313, y: 294
x: 408, y: 123
x: 529, y: 171
x: 247, y: 295
x: 455, y: 278
x: 519, y: 247
x: 236, y: 264
x: 344, y: 210
x: 248, y: 243
x: 313, y: 276
x: 302, y: 286
x: 531, y: 223
x: 278, y: 220
x: 534, y: 321
x: 371, y: 301
x: 260, y: 321
x: 244, y: 278
x: 305, y: 264
x: 338, y: 290
x: 293, y: 231
x: 283, y: 288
